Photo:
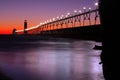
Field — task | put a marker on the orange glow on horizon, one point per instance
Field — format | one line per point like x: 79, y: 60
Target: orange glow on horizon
x: 6, y: 27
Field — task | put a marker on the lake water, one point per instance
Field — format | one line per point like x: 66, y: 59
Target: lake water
x: 54, y: 59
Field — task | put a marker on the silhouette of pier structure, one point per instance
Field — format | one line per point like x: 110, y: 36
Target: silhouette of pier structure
x: 84, y: 24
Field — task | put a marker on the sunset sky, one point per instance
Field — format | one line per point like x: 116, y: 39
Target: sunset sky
x: 14, y: 12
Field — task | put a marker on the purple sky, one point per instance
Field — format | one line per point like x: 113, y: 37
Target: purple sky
x: 14, y: 12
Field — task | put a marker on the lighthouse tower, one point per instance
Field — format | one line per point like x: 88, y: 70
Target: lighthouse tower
x: 25, y: 26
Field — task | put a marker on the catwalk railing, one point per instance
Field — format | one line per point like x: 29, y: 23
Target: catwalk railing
x: 77, y: 19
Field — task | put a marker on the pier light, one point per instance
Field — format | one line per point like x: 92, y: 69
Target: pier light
x: 62, y: 16
x: 89, y: 8
x: 53, y: 19
x: 80, y: 11
x: 47, y: 21
x: 68, y: 13
x: 40, y: 24
x: 84, y: 8
x: 96, y: 4
x: 50, y: 20
x: 58, y: 17
x: 75, y: 11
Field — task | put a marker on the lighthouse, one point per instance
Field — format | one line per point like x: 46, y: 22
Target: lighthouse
x: 25, y: 27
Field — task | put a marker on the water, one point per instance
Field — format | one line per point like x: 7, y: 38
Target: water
x: 56, y: 59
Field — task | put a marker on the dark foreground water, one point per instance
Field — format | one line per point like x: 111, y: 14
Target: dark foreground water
x: 56, y: 59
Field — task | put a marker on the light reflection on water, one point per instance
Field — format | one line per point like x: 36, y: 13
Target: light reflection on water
x: 51, y: 60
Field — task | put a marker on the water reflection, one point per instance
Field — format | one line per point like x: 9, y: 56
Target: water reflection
x: 51, y: 60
